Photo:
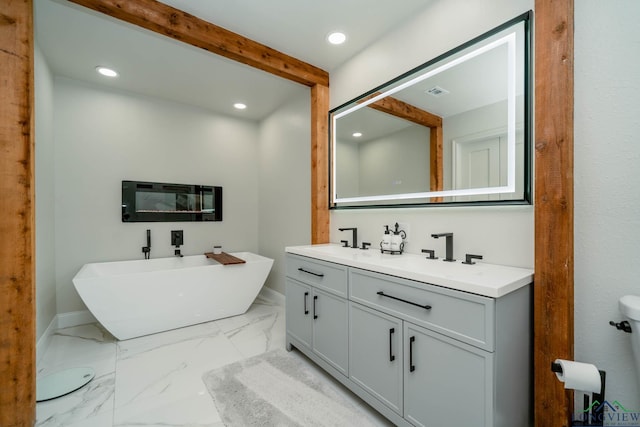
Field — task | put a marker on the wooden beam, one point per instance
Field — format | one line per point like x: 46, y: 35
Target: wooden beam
x: 436, y: 161
x: 320, y: 217
x: 17, y: 308
x: 553, y: 288
x: 180, y: 25
x: 401, y: 109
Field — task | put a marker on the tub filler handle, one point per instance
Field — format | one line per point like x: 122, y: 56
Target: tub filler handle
x: 310, y: 272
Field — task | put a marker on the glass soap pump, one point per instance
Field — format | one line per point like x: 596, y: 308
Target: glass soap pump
x: 385, y: 245
x: 396, y: 240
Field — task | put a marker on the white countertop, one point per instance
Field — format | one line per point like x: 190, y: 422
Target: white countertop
x: 489, y: 280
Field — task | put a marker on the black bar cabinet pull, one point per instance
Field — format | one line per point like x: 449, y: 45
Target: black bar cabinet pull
x: 310, y: 272
x: 315, y: 298
x: 412, y: 367
x: 306, y: 310
x: 426, y: 307
x: 391, y: 356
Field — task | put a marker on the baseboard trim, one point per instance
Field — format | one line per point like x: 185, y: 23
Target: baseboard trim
x: 270, y: 294
x: 75, y: 318
x: 45, y: 339
x: 61, y: 321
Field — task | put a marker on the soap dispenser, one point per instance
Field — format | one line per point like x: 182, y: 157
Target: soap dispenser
x: 386, y: 239
x: 396, y: 240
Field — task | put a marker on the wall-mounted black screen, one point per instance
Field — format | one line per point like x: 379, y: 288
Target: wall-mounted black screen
x: 162, y: 202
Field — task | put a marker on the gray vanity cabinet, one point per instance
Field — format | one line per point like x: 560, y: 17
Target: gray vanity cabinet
x: 376, y: 354
x: 446, y: 382
x: 419, y: 353
x: 299, y: 317
x: 317, y: 310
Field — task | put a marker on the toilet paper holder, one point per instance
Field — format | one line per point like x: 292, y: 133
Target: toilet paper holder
x: 595, y: 411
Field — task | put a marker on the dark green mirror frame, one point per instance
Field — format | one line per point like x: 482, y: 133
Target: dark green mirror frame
x: 455, y: 131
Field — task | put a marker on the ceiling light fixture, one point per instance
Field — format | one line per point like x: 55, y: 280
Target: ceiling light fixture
x: 107, y: 72
x: 336, y: 38
x: 357, y: 134
x: 239, y: 106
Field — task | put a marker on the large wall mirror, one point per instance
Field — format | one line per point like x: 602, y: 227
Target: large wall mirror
x: 456, y: 130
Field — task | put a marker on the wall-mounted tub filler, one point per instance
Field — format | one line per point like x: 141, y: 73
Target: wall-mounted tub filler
x: 177, y: 240
x: 146, y: 250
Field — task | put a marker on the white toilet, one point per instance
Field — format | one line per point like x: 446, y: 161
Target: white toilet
x: 629, y: 306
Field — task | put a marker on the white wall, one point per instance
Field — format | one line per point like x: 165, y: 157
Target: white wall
x: 45, y: 255
x: 607, y: 183
x: 103, y: 137
x: 285, y: 183
x: 385, y: 170
x: 503, y: 235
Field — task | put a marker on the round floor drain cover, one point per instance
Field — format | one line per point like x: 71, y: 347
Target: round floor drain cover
x: 63, y: 382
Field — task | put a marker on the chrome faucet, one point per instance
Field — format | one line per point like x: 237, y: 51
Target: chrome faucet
x: 449, y: 249
x: 354, y: 243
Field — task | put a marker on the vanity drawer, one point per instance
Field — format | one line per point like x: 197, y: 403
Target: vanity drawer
x: 323, y: 275
x: 460, y: 315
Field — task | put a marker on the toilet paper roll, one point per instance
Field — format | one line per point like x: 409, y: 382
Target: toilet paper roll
x: 579, y: 376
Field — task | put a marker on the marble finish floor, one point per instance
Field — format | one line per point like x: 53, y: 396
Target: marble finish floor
x: 154, y: 380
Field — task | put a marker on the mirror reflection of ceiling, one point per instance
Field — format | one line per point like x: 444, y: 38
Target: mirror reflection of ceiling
x: 468, y: 95
x: 74, y: 40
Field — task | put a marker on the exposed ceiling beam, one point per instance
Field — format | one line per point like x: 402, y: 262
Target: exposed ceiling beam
x: 401, y: 109
x: 177, y: 24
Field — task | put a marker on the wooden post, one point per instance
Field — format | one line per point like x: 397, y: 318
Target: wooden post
x: 553, y: 288
x: 17, y: 289
x: 319, y: 164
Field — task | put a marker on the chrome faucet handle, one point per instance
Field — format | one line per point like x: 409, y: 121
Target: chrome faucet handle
x: 470, y: 257
x: 431, y: 253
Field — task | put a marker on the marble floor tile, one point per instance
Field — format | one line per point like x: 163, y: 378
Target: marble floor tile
x: 86, y: 345
x: 154, y: 380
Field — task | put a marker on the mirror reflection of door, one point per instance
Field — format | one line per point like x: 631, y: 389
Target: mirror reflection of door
x: 481, y: 161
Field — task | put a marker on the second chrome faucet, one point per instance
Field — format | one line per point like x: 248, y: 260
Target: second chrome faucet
x: 354, y: 243
x: 449, y: 247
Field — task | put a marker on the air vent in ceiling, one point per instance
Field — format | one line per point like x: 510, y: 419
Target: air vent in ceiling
x: 437, y: 91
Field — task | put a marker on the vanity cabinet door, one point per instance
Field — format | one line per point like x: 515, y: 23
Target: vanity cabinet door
x: 375, y: 354
x: 446, y: 382
x: 299, y: 314
x: 330, y: 329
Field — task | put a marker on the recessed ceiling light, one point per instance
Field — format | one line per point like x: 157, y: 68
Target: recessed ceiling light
x: 336, y: 38
x: 357, y: 134
x: 239, y: 106
x: 108, y: 72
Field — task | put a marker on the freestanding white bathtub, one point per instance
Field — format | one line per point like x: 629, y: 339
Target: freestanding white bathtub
x: 135, y: 298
